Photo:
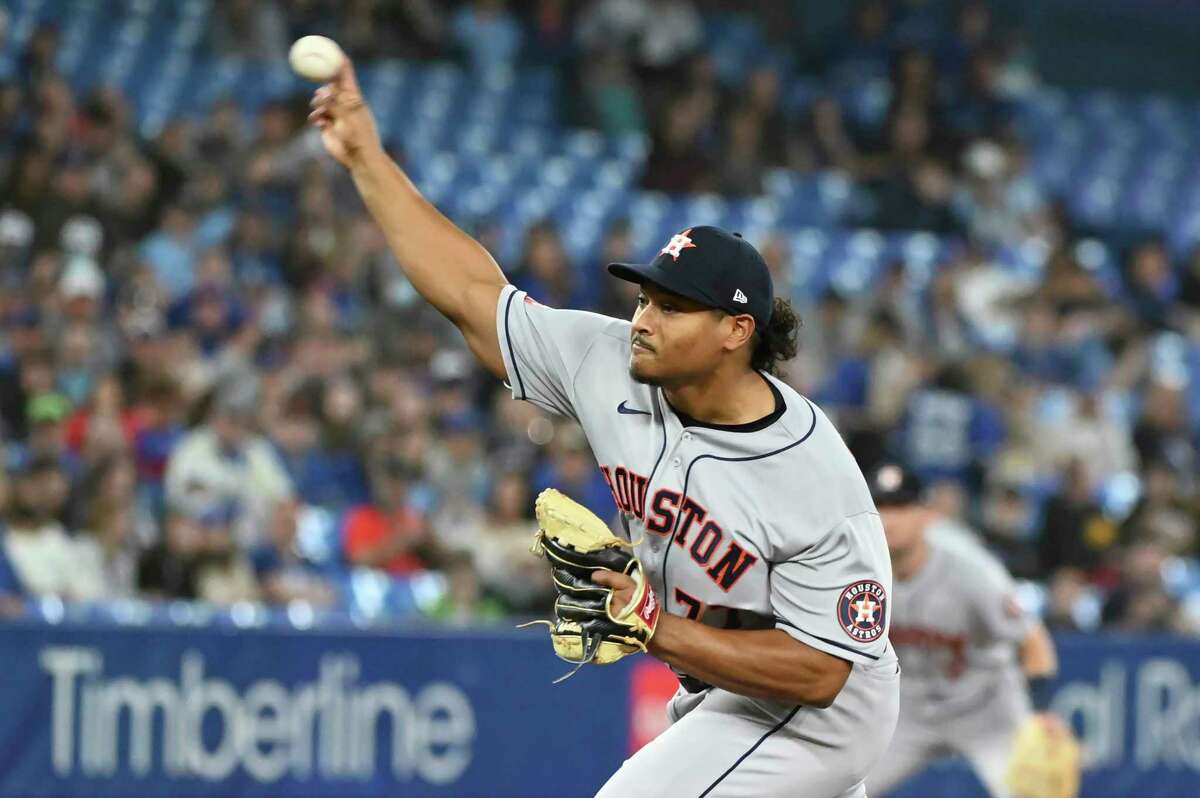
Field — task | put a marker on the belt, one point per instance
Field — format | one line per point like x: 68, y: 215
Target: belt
x: 691, y: 684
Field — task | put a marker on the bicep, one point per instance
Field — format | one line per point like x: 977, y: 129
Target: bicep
x: 478, y: 324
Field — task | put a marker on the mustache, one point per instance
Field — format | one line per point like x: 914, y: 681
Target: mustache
x: 640, y: 342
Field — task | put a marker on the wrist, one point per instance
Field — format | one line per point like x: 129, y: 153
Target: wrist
x: 659, y: 646
x: 366, y: 160
x: 1040, y: 692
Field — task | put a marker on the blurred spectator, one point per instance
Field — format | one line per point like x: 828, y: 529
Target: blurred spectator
x: 1009, y: 522
x: 1162, y: 515
x: 743, y: 164
x: 197, y: 559
x: 502, y: 555
x: 224, y: 468
x: 1153, y: 286
x: 657, y: 33
x: 284, y: 574
x: 35, y: 541
x: 1090, y: 438
x: 326, y: 472
x: 110, y: 541
x: 460, y: 478
x: 823, y: 141
x: 617, y: 298
x: 680, y: 158
x: 551, y: 26
x: 251, y: 29
x: 546, y: 272
x: 612, y: 96
x: 102, y: 425
x: 159, y: 428
x: 999, y: 203
x: 1067, y: 597
x: 171, y: 251
x: 1074, y: 532
x: 948, y: 432
x: 1141, y: 603
x: 464, y: 601
x: 1162, y: 433
x: 489, y: 35
x: 389, y: 533
x: 864, y: 52
x: 571, y: 469
x: 979, y: 108
x: 915, y: 188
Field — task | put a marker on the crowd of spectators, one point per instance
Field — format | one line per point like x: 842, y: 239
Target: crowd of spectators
x: 209, y: 360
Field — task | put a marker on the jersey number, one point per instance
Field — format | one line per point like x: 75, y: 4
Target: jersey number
x: 695, y: 607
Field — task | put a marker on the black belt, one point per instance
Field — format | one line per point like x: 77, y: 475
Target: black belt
x: 691, y: 684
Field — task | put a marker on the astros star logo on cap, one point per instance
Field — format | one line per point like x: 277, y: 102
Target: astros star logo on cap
x: 678, y: 243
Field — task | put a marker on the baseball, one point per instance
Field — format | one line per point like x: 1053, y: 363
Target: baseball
x: 317, y: 58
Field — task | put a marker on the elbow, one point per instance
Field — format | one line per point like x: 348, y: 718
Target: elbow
x: 823, y: 696
x: 820, y: 692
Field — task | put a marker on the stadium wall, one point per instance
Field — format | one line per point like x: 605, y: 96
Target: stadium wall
x: 181, y: 711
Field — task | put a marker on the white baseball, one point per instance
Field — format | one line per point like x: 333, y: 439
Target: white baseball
x: 317, y: 58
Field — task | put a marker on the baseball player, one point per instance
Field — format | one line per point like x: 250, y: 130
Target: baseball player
x: 754, y: 524
x: 975, y: 664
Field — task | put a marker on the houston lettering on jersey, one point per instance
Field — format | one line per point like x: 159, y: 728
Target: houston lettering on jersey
x: 953, y: 648
x: 695, y: 530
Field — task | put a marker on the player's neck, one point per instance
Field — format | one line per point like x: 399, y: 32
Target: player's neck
x: 724, y: 399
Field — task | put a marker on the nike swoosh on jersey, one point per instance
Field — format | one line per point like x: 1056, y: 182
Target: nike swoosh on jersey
x: 629, y: 411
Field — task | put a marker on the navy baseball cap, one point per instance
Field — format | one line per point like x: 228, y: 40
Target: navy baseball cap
x: 715, y: 268
x: 893, y: 485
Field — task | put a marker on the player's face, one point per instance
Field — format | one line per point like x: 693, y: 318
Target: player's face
x: 673, y: 338
x: 904, y: 526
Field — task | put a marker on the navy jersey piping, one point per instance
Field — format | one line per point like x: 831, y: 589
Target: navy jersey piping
x: 842, y: 646
x: 753, y: 748
x: 512, y: 355
x: 750, y: 426
x: 688, y: 475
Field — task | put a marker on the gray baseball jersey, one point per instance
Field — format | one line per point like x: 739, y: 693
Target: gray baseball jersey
x: 957, y: 626
x: 761, y: 525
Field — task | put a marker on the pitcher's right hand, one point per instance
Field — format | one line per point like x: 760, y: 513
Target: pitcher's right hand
x: 341, y: 114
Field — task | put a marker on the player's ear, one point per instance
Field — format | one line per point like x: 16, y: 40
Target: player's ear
x: 741, y: 331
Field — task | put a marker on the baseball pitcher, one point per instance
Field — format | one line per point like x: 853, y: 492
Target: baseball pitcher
x: 753, y: 560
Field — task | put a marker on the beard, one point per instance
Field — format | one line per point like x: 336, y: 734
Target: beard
x: 644, y: 380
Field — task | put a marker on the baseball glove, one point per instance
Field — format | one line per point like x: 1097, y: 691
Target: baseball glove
x: 586, y: 627
x: 1045, y: 760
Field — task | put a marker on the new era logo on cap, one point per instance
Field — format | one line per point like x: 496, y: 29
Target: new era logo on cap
x: 738, y: 296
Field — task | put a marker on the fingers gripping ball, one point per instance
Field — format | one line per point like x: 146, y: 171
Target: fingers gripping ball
x: 316, y: 58
x: 587, y: 627
x: 1045, y: 761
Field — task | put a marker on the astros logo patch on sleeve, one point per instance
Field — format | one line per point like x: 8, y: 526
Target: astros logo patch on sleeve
x: 862, y: 610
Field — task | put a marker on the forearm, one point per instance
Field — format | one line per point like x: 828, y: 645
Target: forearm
x: 1038, y: 656
x: 763, y: 663
x: 444, y: 264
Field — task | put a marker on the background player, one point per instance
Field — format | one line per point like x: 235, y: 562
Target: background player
x: 975, y: 664
x: 711, y: 460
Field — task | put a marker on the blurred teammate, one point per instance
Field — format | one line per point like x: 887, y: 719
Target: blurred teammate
x: 975, y: 665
